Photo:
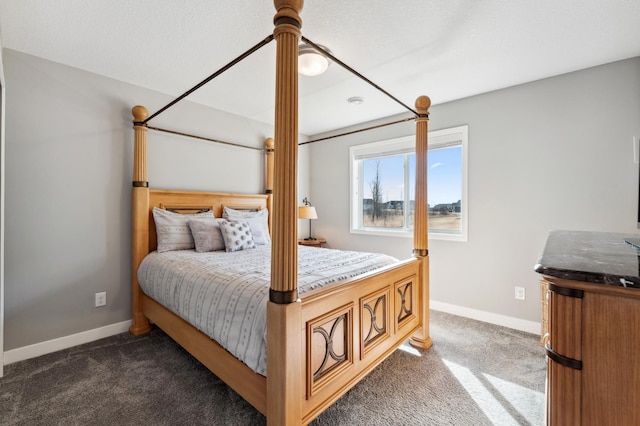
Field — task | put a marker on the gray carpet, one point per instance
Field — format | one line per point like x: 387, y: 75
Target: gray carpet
x: 475, y: 374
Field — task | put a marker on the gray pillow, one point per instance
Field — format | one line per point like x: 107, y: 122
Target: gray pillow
x: 237, y: 235
x: 258, y: 222
x: 173, y: 230
x: 206, y: 234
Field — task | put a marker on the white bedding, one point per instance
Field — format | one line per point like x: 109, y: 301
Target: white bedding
x: 225, y: 295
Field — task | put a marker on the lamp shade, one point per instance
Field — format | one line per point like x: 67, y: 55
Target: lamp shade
x: 310, y: 61
x: 307, y: 212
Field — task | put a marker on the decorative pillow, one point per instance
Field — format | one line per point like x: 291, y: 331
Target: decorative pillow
x: 237, y: 235
x: 258, y: 222
x: 206, y: 234
x: 173, y: 229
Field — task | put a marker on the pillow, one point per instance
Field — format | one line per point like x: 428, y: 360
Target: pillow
x: 173, y: 229
x: 206, y: 234
x: 237, y: 235
x: 258, y: 222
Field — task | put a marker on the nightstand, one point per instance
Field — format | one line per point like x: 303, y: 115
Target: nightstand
x: 318, y: 242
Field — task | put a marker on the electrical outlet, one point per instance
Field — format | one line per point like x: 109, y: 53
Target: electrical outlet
x: 101, y: 299
x: 520, y: 294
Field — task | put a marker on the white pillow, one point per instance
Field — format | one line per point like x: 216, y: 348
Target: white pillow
x: 258, y: 222
x: 173, y: 230
x: 237, y: 236
x: 206, y: 234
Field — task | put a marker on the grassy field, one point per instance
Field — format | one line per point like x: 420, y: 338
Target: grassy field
x: 393, y: 219
x: 451, y: 221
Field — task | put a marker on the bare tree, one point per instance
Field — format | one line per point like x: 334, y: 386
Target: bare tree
x: 376, y: 194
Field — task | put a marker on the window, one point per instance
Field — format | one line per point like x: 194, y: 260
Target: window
x: 383, y: 178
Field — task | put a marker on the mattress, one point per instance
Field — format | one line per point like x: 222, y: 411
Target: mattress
x: 225, y: 295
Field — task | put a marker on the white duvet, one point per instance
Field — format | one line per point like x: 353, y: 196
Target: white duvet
x: 225, y: 294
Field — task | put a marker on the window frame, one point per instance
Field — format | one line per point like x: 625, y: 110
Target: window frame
x: 437, y: 139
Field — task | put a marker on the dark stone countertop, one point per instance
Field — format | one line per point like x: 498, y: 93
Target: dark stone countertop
x: 595, y: 257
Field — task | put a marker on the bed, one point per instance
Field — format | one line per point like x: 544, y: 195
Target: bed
x: 224, y: 294
x: 320, y: 341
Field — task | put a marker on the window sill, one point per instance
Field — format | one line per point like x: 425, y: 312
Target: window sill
x: 409, y: 234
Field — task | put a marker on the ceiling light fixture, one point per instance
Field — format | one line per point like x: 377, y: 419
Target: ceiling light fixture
x: 356, y: 100
x: 312, y: 62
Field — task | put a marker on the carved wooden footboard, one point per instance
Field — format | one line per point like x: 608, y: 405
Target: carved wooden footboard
x: 347, y: 329
x: 350, y: 329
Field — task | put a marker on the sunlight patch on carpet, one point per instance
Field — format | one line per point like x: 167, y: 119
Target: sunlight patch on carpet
x: 406, y: 346
x: 520, y: 398
x: 486, y: 395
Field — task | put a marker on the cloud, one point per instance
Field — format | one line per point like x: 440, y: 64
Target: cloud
x: 438, y: 164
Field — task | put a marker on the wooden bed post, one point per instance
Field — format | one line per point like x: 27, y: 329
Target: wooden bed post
x: 140, y: 218
x: 421, y: 220
x: 269, y: 150
x: 284, y: 336
x: 268, y: 181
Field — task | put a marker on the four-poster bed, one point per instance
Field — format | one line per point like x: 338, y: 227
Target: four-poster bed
x: 317, y: 346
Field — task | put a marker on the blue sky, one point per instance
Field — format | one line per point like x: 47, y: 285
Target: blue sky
x: 444, y: 176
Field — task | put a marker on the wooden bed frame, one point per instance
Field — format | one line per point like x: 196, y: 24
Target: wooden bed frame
x: 320, y: 346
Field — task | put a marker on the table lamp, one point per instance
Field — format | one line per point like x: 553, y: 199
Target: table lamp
x: 307, y: 211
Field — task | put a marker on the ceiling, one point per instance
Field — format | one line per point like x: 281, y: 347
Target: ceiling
x: 444, y: 49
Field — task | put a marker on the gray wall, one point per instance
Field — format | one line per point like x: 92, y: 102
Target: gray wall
x: 69, y: 143
x: 2, y: 180
x: 552, y: 154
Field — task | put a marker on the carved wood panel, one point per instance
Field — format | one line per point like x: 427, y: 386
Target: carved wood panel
x: 374, y: 320
x: 329, y: 347
x: 405, y: 295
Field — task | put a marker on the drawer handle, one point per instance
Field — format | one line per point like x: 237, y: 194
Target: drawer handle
x: 545, y: 339
x: 561, y: 359
x: 569, y: 292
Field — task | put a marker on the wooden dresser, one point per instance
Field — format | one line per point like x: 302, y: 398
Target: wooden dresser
x: 592, y: 296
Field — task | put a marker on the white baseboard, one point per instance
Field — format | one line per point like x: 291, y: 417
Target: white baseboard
x: 497, y: 319
x: 43, y: 348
